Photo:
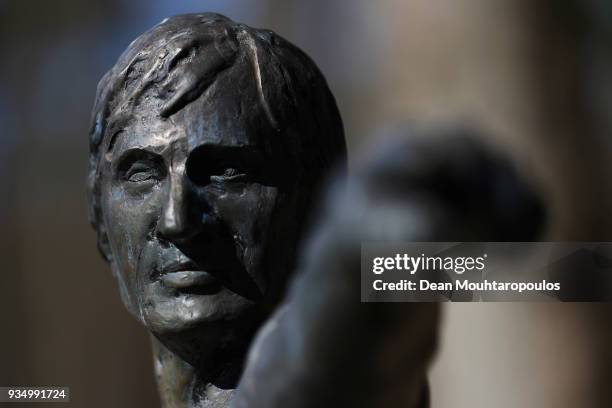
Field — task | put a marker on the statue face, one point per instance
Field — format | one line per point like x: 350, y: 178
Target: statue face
x: 208, y: 147
x: 193, y: 206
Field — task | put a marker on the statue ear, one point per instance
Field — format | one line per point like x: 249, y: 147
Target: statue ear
x: 103, y: 244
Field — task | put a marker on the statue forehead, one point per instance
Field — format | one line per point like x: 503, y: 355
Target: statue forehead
x: 228, y: 113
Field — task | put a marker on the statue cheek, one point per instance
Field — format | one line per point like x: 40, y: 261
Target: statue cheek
x: 247, y: 215
x: 248, y: 218
x: 130, y: 222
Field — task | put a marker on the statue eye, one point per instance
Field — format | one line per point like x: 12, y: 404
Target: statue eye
x: 138, y: 166
x: 221, y: 165
x: 140, y: 172
x: 228, y: 174
x: 139, y: 176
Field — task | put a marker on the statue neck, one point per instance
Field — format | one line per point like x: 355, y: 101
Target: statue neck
x: 180, y: 385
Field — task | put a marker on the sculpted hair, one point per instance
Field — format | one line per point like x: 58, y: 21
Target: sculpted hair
x: 174, y: 63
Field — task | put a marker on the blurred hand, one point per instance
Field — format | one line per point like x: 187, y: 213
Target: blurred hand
x: 323, y: 347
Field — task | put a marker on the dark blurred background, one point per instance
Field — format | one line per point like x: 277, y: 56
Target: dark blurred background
x: 535, y: 77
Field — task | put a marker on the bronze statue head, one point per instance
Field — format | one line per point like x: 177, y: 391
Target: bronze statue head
x: 208, y: 146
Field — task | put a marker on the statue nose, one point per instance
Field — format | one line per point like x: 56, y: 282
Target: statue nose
x: 178, y: 219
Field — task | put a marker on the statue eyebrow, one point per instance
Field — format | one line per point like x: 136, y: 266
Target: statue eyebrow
x: 135, y: 154
x: 220, y: 153
x: 152, y: 148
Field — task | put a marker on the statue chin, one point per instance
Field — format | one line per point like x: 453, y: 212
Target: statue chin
x: 215, y: 349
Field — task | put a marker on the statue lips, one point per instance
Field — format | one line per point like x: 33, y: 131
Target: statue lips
x: 187, y: 275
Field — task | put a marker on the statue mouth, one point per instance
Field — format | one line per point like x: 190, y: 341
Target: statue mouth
x: 189, y: 277
x: 182, y: 274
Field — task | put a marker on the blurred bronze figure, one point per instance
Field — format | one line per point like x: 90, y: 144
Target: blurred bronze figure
x: 209, y: 144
